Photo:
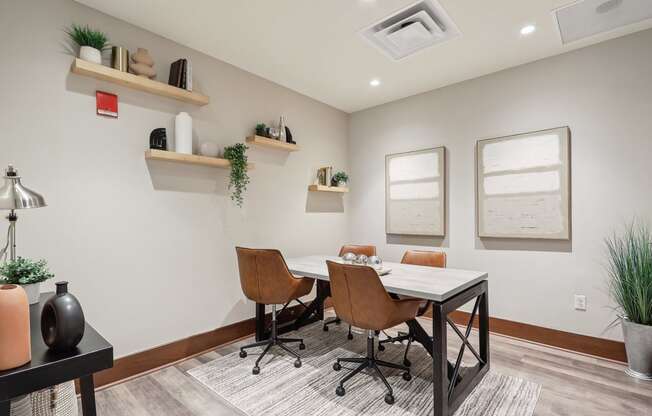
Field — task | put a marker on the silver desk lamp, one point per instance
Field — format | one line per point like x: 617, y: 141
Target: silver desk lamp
x: 13, y: 196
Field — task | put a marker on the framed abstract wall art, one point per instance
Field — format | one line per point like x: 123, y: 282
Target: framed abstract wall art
x: 415, y: 193
x: 523, y: 185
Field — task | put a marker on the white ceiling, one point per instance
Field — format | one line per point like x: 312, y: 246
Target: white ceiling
x: 313, y: 46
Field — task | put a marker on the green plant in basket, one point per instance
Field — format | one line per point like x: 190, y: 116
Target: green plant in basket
x: 339, y: 178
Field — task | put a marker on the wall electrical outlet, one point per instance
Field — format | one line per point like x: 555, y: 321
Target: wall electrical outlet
x: 580, y: 302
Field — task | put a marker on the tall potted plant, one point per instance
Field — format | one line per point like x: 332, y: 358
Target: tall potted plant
x: 630, y: 281
x: 27, y: 273
x: 91, y: 42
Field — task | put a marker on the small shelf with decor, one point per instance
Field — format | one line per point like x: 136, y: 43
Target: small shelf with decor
x: 272, y: 143
x: 216, y: 162
x: 105, y: 73
x: 324, y: 188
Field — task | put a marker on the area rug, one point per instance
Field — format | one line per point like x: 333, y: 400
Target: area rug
x: 281, y: 389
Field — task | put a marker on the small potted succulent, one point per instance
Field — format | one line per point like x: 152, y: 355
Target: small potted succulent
x: 340, y: 179
x: 261, y: 130
x: 27, y: 273
x: 91, y: 42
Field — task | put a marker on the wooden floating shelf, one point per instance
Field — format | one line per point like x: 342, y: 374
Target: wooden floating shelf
x: 323, y: 188
x: 272, y: 143
x: 153, y: 154
x: 105, y: 73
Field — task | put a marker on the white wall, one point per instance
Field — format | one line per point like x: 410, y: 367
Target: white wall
x: 149, y: 247
x: 604, y: 93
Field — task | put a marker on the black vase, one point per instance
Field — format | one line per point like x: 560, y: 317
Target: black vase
x: 62, y: 320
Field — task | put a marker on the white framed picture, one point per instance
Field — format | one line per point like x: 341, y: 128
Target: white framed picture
x: 415, y: 193
x: 523, y: 185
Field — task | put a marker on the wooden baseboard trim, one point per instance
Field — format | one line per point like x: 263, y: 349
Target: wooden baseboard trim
x: 598, y: 347
x: 141, y: 362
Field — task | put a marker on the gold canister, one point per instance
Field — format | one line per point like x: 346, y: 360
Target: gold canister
x: 120, y: 58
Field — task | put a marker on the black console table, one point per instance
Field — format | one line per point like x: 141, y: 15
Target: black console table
x: 47, y: 368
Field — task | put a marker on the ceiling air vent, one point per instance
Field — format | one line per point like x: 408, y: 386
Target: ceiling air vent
x: 412, y: 29
x: 586, y: 18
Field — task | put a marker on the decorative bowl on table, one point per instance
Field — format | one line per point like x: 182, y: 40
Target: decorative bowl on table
x: 375, y: 262
x: 348, y: 258
x: 361, y: 259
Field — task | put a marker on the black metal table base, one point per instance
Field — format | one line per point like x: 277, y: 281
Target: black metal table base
x: 448, y: 394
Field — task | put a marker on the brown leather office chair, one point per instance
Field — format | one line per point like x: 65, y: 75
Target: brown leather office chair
x: 419, y: 258
x: 361, y: 300
x: 357, y: 250
x: 265, y: 279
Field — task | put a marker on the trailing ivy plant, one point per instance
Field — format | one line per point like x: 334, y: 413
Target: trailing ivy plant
x: 237, y: 155
x: 85, y: 36
x: 24, y: 271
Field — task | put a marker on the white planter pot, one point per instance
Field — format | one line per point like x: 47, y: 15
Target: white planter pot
x: 341, y: 184
x: 90, y: 54
x: 183, y: 133
x: 33, y: 292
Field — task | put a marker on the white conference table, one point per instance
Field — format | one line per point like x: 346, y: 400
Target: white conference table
x: 448, y: 289
x: 432, y: 283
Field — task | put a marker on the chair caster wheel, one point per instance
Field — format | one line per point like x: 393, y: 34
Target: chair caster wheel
x: 381, y: 347
x: 256, y: 370
x: 297, y: 363
x: 349, y: 336
x: 325, y: 328
x: 243, y: 354
x: 337, y: 367
x: 302, y: 346
x: 340, y: 391
x: 389, y: 398
x: 407, y: 363
x: 407, y: 376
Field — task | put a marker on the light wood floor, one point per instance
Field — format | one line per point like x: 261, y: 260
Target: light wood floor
x: 572, y: 384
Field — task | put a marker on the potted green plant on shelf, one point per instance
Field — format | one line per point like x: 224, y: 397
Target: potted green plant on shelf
x: 630, y: 282
x: 27, y: 273
x: 261, y: 130
x: 340, y: 179
x: 91, y: 42
x: 238, y: 180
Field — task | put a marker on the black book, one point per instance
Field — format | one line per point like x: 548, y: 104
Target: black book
x: 174, y: 73
x: 184, y: 74
x: 172, y: 76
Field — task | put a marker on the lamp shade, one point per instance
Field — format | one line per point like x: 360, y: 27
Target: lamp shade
x: 13, y: 195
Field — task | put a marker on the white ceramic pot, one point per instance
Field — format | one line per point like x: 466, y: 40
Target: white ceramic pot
x: 33, y: 292
x: 90, y: 54
x: 341, y: 184
x: 209, y: 149
x: 183, y: 133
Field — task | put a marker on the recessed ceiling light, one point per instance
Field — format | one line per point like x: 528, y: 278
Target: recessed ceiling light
x: 528, y: 30
x: 374, y: 82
